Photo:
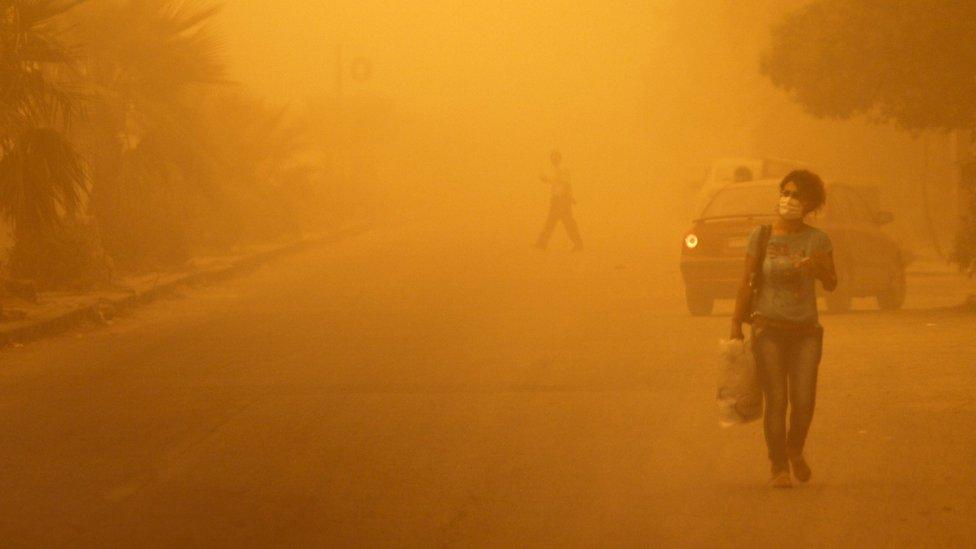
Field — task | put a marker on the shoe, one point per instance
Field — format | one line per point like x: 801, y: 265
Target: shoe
x: 800, y: 468
x: 781, y: 480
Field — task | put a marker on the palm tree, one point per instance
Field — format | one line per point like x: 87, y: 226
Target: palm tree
x: 146, y: 59
x: 43, y: 181
x: 42, y: 177
x: 262, y: 156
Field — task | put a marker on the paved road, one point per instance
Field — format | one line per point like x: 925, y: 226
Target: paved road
x: 404, y: 389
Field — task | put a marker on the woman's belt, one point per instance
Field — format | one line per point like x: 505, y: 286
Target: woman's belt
x: 760, y: 321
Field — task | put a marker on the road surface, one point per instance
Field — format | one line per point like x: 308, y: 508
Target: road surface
x: 405, y: 388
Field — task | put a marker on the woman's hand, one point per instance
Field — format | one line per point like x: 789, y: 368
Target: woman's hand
x: 821, y: 266
x: 816, y: 264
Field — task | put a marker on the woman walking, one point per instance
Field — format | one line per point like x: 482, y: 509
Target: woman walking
x: 783, y: 261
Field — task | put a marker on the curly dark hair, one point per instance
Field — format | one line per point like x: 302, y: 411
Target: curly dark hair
x: 810, y: 186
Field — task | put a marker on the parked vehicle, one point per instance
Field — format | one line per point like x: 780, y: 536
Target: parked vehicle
x: 869, y: 262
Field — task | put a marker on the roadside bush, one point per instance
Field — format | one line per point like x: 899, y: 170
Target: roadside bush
x: 66, y: 257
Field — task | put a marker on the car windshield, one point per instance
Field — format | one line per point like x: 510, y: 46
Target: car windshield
x: 743, y: 201
x: 725, y: 169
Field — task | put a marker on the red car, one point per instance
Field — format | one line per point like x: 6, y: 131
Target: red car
x: 869, y: 262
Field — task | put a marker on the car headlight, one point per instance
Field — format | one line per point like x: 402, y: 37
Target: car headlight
x: 691, y: 241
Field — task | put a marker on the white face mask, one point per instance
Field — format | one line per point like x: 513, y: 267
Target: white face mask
x: 790, y: 208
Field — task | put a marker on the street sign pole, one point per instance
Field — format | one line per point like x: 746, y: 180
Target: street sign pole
x: 338, y: 71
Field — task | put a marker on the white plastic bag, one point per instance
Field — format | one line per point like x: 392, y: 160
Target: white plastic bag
x: 740, y: 398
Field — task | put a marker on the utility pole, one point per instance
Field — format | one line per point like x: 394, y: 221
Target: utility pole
x: 338, y: 71
x: 341, y: 152
x: 361, y: 70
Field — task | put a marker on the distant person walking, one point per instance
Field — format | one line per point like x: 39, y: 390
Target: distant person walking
x: 560, y: 205
x: 783, y: 263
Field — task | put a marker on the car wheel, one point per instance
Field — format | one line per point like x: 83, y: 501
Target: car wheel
x: 699, y: 303
x: 839, y: 300
x: 893, y: 296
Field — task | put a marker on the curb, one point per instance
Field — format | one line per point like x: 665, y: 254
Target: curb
x: 101, y: 309
x: 930, y: 270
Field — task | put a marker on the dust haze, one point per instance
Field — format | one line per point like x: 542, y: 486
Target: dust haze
x: 640, y: 97
x: 481, y: 93
x: 273, y: 275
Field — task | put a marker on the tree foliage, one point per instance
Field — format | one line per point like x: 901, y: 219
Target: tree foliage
x: 120, y: 133
x: 907, y: 62
x: 147, y: 62
x: 33, y: 57
x: 43, y: 178
x: 911, y: 62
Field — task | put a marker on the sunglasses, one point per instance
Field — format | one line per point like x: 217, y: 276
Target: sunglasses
x: 791, y: 194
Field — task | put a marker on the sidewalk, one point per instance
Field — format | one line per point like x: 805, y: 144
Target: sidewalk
x: 57, y: 312
x: 931, y: 267
x: 935, y: 283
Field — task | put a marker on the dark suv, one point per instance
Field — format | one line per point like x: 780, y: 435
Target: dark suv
x: 869, y: 262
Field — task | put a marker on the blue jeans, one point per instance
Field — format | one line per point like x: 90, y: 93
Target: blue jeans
x: 788, y: 360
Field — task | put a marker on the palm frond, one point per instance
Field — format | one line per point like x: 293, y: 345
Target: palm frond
x: 32, y: 91
x: 37, y: 12
x: 185, y: 16
x: 152, y: 49
x: 42, y: 180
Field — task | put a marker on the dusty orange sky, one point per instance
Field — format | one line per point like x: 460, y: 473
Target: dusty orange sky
x: 433, y: 47
x: 492, y: 86
x: 547, y: 61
